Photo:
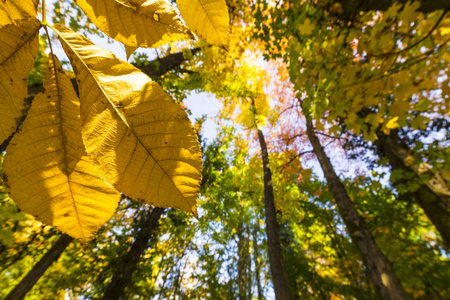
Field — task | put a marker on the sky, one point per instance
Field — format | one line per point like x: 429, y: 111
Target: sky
x: 205, y: 104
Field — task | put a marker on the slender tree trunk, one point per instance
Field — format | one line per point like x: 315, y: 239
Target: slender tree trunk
x: 257, y: 262
x: 242, y: 263
x: 433, y: 196
x: 378, y: 266
x: 277, y: 268
x: 248, y: 259
x: 130, y: 260
x: 39, y: 269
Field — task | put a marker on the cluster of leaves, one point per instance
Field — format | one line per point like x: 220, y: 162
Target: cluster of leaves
x: 70, y: 159
x: 387, y: 63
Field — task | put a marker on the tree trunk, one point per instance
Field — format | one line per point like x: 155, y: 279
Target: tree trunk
x: 242, y: 262
x: 248, y: 258
x: 257, y: 262
x: 378, y: 266
x: 433, y: 195
x: 277, y: 268
x: 130, y: 260
x: 39, y: 269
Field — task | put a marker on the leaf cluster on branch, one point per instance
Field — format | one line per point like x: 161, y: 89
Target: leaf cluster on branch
x: 72, y: 156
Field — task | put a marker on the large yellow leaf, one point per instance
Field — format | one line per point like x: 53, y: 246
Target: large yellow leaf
x: 19, y: 44
x: 207, y: 18
x: 136, y: 23
x: 46, y: 168
x: 12, y: 10
x: 142, y: 141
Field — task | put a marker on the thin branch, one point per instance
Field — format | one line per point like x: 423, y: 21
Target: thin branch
x: 388, y: 53
x: 182, y: 70
x: 416, y: 43
x: 327, y: 144
x: 289, y: 162
x: 330, y: 136
x: 412, y: 61
x: 295, y: 136
x: 294, y: 158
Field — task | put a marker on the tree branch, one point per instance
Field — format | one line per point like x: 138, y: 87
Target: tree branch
x: 39, y: 269
x: 130, y: 260
x: 426, y: 6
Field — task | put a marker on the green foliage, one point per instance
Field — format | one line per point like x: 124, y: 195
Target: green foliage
x: 39, y: 69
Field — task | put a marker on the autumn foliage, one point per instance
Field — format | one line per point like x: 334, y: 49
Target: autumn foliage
x: 72, y: 156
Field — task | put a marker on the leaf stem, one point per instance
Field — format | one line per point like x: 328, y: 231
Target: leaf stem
x: 48, y: 38
x: 44, y: 15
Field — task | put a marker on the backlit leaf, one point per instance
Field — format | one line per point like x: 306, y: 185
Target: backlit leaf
x: 19, y: 44
x: 141, y: 140
x: 12, y: 10
x: 392, y: 123
x: 136, y: 23
x: 207, y: 18
x: 46, y: 169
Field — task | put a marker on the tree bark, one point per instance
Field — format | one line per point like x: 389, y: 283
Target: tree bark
x: 248, y: 257
x: 161, y: 66
x: 432, y: 195
x: 378, y: 266
x: 257, y: 262
x: 130, y: 260
x: 242, y: 262
x: 52, y: 255
x: 277, y: 268
x: 352, y: 6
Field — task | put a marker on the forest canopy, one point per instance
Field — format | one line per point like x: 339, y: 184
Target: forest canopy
x: 328, y: 176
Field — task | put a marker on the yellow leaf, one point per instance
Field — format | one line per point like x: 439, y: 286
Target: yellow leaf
x: 141, y: 140
x: 136, y: 23
x: 207, y: 18
x: 129, y: 50
x: 392, y: 123
x: 409, y: 161
x: 19, y: 44
x: 13, y: 10
x: 46, y: 168
x: 444, y: 30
